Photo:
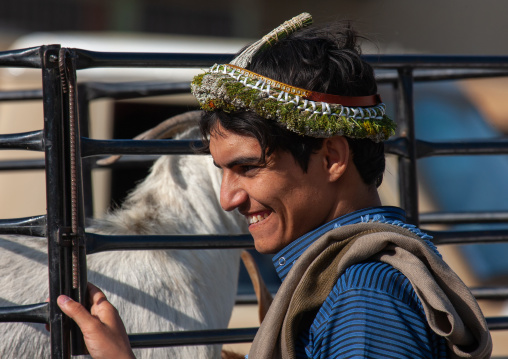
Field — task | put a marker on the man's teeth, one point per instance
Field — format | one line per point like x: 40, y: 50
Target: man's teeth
x: 258, y: 218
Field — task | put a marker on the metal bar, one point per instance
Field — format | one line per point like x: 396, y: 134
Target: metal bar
x: 52, y: 100
x: 202, y: 337
x: 22, y: 165
x: 96, y: 243
x: 472, y: 147
x: 399, y: 146
x: 30, y: 57
x: 124, y: 162
x: 99, y: 243
x: 131, y: 161
x: 437, y: 61
x: 497, y: 323
x: 86, y: 163
x: 407, y: 165
x: 21, y: 95
x: 490, y: 293
x: 75, y: 274
x: 30, y: 226
x: 463, y: 217
x: 28, y: 141
x: 32, y: 313
x: 127, y: 90
x: 441, y: 74
x: 91, y: 59
x: 91, y: 147
x: 469, y: 237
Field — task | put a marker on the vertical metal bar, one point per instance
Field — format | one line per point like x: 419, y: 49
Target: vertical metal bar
x: 52, y: 101
x: 73, y: 181
x: 84, y: 125
x: 407, y: 165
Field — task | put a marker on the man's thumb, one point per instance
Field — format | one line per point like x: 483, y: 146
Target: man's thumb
x: 72, y: 309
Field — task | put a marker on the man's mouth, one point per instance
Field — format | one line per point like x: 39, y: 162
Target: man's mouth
x: 258, y: 217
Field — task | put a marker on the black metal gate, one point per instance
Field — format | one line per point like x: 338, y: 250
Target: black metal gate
x: 68, y: 164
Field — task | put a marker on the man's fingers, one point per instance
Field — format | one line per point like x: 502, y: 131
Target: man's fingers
x: 74, y: 310
x: 93, y: 291
x: 100, y: 306
x: 103, y: 329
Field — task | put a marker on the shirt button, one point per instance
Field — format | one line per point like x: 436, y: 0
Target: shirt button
x: 282, y: 261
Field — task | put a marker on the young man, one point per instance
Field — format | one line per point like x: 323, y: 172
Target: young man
x: 296, y: 126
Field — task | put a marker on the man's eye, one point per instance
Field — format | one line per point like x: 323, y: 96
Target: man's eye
x: 247, y: 168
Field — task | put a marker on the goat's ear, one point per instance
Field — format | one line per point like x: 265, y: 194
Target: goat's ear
x: 166, y: 129
x: 263, y: 296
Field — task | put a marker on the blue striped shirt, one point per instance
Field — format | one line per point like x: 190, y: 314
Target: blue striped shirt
x: 372, y: 311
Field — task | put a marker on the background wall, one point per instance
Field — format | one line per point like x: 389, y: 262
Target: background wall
x: 432, y: 26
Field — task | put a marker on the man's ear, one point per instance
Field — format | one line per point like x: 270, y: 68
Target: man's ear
x: 336, y: 156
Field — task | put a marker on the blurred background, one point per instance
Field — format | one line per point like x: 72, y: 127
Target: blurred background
x: 446, y: 110
x: 444, y: 27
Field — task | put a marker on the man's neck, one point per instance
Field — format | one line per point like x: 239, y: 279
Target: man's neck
x: 355, y: 200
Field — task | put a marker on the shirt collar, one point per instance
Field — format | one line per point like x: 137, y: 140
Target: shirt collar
x: 284, y: 260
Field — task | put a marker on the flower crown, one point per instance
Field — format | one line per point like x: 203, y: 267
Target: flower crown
x: 232, y: 88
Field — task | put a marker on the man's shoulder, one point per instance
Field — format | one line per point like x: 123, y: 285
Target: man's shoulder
x: 374, y: 281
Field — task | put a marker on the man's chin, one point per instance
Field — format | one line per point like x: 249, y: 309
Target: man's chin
x: 265, y: 246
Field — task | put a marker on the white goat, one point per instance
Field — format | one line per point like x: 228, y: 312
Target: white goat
x: 165, y: 290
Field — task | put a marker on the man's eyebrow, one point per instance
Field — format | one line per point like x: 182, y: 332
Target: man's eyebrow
x: 240, y: 161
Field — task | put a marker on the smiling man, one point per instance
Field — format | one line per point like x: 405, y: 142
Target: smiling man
x: 281, y: 200
x: 296, y: 126
x: 297, y: 129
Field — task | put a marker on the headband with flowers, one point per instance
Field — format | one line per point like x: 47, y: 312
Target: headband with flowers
x: 232, y: 88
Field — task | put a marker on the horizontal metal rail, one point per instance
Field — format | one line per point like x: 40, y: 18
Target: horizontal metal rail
x: 497, y: 323
x: 29, y: 57
x: 469, y: 237
x: 31, y: 313
x: 126, y: 161
x: 21, y: 95
x: 90, y: 59
x: 22, y: 165
x: 127, y: 90
x: 389, y: 76
x: 437, y: 61
x: 28, y: 141
x: 462, y: 148
x: 463, y: 217
x: 96, y: 243
x: 100, y: 243
x: 220, y: 336
x: 91, y: 147
x: 201, y: 337
x: 398, y: 146
x: 490, y: 293
x: 29, y: 226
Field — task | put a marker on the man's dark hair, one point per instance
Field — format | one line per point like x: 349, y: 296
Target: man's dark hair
x: 322, y: 59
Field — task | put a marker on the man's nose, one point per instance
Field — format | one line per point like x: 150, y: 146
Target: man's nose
x: 232, y: 194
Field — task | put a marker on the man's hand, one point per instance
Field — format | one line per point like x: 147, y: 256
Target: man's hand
x: 103, y: 329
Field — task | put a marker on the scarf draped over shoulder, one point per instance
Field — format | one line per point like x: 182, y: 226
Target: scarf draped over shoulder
x: 451, y: 310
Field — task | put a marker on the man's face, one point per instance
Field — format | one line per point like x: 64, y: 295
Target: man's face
x: 279, y: 200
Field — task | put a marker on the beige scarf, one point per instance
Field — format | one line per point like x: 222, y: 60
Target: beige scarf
x: 451, y: 310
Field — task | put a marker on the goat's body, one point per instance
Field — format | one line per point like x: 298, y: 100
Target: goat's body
x: 167, y: 290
